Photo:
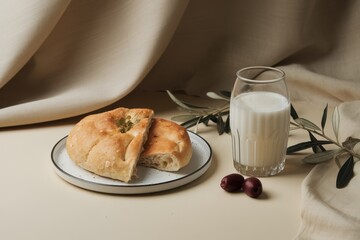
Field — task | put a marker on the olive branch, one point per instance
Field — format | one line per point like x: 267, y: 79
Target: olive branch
x: 204, y: 114
x: 342, y: 150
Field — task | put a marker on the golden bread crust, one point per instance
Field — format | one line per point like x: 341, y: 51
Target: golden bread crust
x: 168, y: 146
x: 109, y: 144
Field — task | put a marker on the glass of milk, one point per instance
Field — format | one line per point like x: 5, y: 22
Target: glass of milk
x: 259, y: 121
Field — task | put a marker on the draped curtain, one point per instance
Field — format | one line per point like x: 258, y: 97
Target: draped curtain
x: 64, y: 58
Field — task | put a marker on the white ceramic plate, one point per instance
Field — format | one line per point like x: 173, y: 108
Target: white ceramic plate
x: 149, y: 179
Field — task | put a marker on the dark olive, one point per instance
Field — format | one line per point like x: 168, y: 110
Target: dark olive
x: 252, y: 187
x: 232, y: 182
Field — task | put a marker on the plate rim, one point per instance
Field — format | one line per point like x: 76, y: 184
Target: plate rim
x: 193, y: 175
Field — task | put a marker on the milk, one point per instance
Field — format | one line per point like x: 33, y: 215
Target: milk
x: 259, y: 126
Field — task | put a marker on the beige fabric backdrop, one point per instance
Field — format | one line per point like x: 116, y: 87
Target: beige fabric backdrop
x: 64, y: 58
x: 61, y: 58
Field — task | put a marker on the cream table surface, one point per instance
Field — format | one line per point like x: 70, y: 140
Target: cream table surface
x: 36, y: 203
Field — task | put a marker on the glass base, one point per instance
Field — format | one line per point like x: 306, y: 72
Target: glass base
x: 259, y: 171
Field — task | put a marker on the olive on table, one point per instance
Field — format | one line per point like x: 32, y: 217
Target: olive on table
x: 232, y: 182
x: 252, y: 187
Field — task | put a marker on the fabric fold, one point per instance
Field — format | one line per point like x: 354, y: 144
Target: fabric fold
x: 96, y: 54
x: 327, y: 212
x: 24, y: 26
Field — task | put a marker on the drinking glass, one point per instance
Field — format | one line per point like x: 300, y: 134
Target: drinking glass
x: 259, y: 121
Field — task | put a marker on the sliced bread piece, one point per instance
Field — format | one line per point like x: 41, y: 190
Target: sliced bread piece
x: 109, y: 144
x: 168, y: 147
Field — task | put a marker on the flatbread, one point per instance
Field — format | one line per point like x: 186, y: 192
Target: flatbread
x: 168, y: 147
x: 109, y: 144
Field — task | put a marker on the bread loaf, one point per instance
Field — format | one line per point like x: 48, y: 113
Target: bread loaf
x: 168, y: 147
x: 109, y: 144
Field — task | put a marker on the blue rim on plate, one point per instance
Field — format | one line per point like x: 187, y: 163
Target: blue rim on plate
x: 150, y: 180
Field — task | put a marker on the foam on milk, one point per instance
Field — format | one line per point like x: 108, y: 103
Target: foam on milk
x: 260, y: 127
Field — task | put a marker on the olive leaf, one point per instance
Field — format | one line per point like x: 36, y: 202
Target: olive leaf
x: 184, y: 104
x: 197, y: 124
x: 190, y: 123
x: 306, y: 123
x: 340, y: 156
x: 293, y: 112
x: 321, y: 156
x: 324, y: 117
x: 216, y: 96
x: 318, y: 147
x: 211, y: 117
x: 220, y: 125
x: 337, y: 160
x: 345, y: 173
x: 183, y: 117
x: 227, y: 124
x: 305, y: 145
x: 336, y: 122
x: 225, y: 93
x: 201, y: 114
x: 200, y: 119
x: 350, y: 143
